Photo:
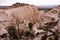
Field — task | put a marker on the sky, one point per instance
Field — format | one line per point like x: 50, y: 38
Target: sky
x: 34, y: 2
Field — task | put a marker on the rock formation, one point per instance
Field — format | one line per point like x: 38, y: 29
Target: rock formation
x: 21, y: 16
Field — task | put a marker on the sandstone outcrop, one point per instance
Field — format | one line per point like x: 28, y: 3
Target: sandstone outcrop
x: 25, y: 15
x: 21, y: 16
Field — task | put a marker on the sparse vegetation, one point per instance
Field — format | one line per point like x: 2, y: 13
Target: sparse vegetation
x: 30, y: 25
x: 47, y: 29
x: 19, y: 5
x: 12, y: 32
x: 22, y: 34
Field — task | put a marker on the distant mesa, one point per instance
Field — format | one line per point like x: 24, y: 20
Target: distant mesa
x: 4, y: 7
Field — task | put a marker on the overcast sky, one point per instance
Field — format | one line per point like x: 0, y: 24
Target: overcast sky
x: 35, y: 2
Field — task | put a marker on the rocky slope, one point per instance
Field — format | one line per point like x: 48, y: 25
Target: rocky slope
x: 21, y: 16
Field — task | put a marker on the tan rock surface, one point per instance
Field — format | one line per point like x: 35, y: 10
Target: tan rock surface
x: 21, y: 16
x: 27, y: 14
